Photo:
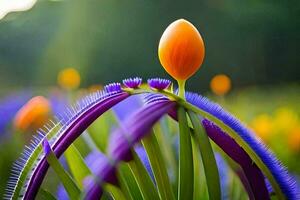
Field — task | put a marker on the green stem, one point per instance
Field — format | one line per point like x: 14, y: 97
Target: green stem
x: 181, y: 89
x: 186, y: 166
x: 115, y: 192
x: 143, y: 179
x: 128, y: 183
x: 158, y: 167
x: 45, y: 195
x: 198, y: 185
x: 69, y: 184
x: 208, y: 158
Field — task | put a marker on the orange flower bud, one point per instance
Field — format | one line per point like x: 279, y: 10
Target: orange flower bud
x: 33, y: 114
x: 220, y: 84
x: 181, y: 49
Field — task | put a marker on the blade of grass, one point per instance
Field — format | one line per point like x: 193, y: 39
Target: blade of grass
x: 143, y: 179
x: 197, y: 171
x: 114, y: 192
x: 128, y: 183
x: 208, y: 158
x: 186, y: 171
x: 45, y: 195
x: 162, y: 133
x: 158, y: 167
x: 67, y: 181
x: 77, y: 165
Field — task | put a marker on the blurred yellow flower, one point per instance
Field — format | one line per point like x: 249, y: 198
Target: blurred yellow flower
x: 69, y: 78
x: 294, y: 139
x: 220, y: 84
x: 262, y: 126
x: 33, y: 114
x: 285, y: 119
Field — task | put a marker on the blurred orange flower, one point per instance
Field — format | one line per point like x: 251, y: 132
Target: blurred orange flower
x: 220, y: 84
x: 181, y: 49
x: 69, y: 78
x: 33, y: 114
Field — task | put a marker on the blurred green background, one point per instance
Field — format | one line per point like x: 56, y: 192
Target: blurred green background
x: 255, y: 43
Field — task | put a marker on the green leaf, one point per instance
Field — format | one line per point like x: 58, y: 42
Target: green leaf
x: 158, y: 167
x: 208, y: 158
x: 115, y: 192
x: 67, y: 181
x: 143, y: 179
x: 186, y: 170
x: 128, y: 183
x: 200, y: 188
x: 45, y: 195
x: 164, y: 137
x: 99, y: 130
x: 77, y: 165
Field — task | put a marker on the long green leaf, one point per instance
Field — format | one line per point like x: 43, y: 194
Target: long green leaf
x: 164, y: 137
x: 199, y: 181
x: 143, y: 179
x: 114, y: 192
x: 158, y: 167
x: 186, y: 171
x: 77, y: 165
x: 128, y: 183
x: 208, y: 158
x: 45, y: 195
x: 67, y: 181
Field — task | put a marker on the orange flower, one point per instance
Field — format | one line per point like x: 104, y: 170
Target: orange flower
x: 220, y: 84
x: 181, y: 49
x: 33, y: 114
x: 69, y: 78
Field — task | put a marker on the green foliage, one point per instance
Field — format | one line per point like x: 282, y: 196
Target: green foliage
x: 77, y: 165
x: 186, y: 171
x: 208, y: 158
